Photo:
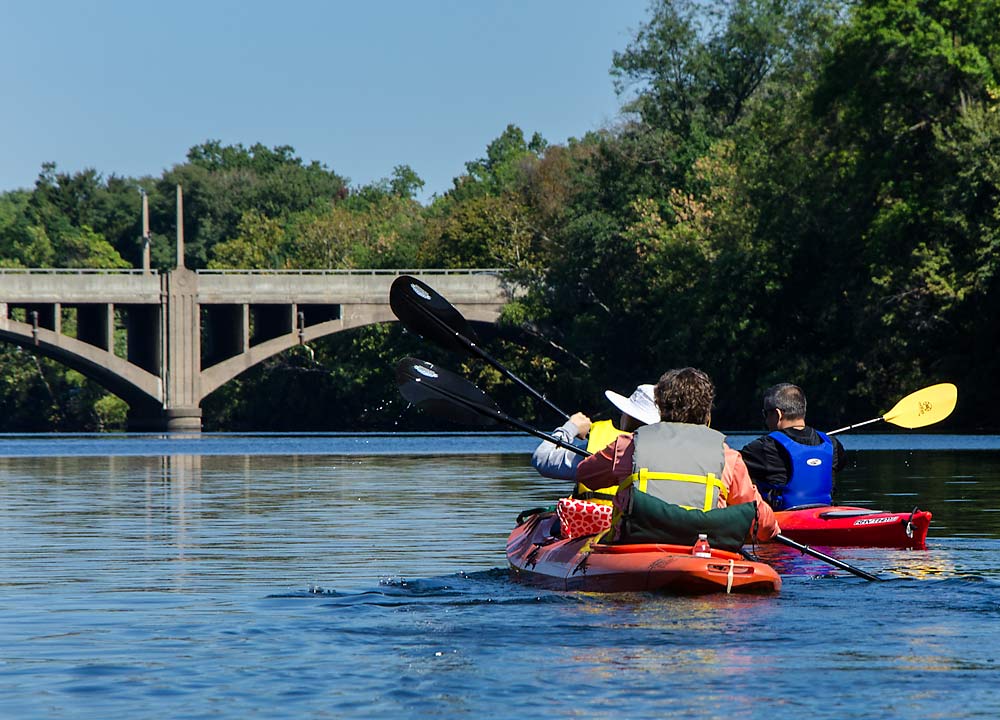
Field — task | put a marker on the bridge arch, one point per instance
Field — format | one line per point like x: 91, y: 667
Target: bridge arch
x: 217, y: 375
x: 128, y: 381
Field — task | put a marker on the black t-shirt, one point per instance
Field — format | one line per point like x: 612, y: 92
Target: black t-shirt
x: 769, y: 462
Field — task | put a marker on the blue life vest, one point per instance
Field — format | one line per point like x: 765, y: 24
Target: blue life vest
x: 811, y: 478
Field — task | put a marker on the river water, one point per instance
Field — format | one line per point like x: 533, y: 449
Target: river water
x: 227, y: 576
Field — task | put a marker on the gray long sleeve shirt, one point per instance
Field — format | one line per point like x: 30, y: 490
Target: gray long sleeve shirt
x: 555, y: 462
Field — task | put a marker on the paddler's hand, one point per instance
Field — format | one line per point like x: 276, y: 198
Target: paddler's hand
x: 582, y: 423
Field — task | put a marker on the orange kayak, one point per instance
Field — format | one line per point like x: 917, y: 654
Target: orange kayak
x: 846, y: 526
x: 538, y: 558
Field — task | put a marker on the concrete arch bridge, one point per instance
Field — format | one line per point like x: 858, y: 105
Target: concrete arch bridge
x: 187, y: 332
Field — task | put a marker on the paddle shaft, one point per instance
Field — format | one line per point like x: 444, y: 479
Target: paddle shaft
x: 856, y: 425
x: 514, y: 422
x: 503, y: 417
x: 476, y: 350
x: 825, y: 558
x: 510, y: 375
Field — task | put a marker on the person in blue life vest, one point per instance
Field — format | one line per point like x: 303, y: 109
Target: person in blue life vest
x: 793, y: 464
x: 558, y: 463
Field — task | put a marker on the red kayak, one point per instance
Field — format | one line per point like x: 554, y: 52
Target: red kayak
x: 538, y: 558
x: 839, y: 525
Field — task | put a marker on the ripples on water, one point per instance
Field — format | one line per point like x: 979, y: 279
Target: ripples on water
x: 341, y: 576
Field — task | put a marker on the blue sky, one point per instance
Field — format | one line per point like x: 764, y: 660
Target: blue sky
x: 127, y: 87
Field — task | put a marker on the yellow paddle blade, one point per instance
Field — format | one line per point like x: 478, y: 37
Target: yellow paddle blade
x: 924, y: 407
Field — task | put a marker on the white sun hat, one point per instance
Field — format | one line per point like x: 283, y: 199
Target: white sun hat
x: 639, y: 404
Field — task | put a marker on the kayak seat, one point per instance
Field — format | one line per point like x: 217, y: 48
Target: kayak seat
x: 525, y: 514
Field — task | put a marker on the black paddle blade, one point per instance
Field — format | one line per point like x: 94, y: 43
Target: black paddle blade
x: 444, y: 393
x: 424, y: 311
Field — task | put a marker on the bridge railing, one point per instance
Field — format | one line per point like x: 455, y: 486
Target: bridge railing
x: 355, y: 271
x: 75, y: 271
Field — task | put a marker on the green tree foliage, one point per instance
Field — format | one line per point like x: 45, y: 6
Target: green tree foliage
x: 86, y: 199
x: 789, y: 202
x: 259, y: 244
x: 379, y: 232
x: 659, y: 237
x: 36, y: 230
x: 907, y: 84
x: 507, y: 158
x: 379, y: 225
x: 222, y: 183
x: 405, y: 182
x: 488, y: 218
x: 487, y: 231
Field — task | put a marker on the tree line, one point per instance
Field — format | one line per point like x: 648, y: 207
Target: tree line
x: 796, y: 190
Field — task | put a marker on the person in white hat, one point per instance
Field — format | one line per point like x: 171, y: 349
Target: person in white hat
x: 638, y: 409
x: 558, y: 463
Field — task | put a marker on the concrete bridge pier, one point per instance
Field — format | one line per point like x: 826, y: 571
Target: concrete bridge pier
x: 157, y: 419
x: 182, y: 356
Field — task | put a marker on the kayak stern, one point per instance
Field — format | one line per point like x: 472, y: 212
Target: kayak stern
x: 537, y: 558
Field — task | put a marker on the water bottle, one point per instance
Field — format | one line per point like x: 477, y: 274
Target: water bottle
x: 701, y: 547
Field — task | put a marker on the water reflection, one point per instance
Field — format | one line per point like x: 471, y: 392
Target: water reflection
x: 961, y: 489
x: 173, y: 520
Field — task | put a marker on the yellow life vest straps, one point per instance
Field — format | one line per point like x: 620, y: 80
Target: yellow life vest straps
x: 616, y: 517
x: 642, y: 478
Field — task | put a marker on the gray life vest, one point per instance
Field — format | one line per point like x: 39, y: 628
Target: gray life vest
x: 680, y: 463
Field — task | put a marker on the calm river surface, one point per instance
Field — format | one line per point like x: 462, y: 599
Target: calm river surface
x: 227, y: 576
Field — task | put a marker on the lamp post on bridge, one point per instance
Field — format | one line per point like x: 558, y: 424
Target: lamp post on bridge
x: 180, y: 228
x: 145, y: 232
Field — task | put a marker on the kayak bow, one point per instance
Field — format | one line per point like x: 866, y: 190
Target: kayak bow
x: 846, y: 526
